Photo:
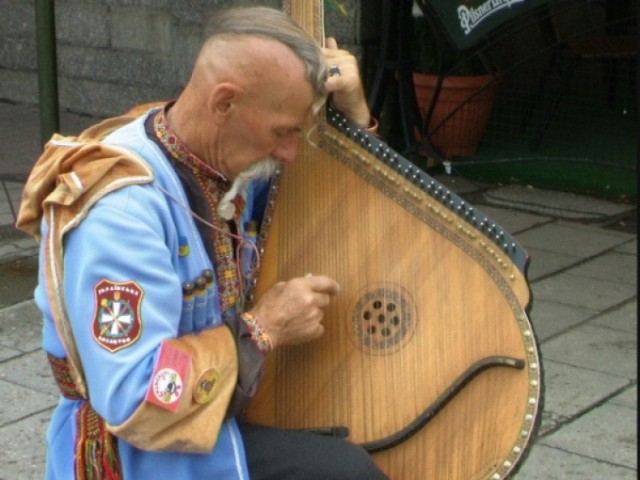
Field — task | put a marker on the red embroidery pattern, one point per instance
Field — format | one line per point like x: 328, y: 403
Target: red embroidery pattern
x: 97, y: 455
x: 62, y: 376
x: 214, y: 185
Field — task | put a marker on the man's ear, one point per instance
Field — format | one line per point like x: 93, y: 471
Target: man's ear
x: 223, y: 99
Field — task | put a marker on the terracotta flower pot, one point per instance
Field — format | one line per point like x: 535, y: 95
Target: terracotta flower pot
x: 458, y: 133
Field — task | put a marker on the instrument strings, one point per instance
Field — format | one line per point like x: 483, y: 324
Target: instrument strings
x: 345, y: 217
x: 407, y: 264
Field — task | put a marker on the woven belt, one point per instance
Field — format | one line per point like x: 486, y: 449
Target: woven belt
x: 62, y: 376
x: 96, y: 449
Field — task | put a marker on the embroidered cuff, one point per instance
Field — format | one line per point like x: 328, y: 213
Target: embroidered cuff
x: 258, y: 334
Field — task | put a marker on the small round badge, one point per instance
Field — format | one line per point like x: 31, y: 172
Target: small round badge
x: 206, y: 386
x: 167, y: 386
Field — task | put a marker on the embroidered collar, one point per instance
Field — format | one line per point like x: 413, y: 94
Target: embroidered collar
x: 213, y: 185
x: 179, y: 150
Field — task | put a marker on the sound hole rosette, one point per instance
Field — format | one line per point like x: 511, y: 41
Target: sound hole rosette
x: 382, y: 318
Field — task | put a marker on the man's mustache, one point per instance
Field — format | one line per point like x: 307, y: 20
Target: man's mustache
x: 261, y: 170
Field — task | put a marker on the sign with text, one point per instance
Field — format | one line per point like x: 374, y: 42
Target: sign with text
x: 467, y: 21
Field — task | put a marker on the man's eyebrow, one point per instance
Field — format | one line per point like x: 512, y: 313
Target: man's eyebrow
x: 296, y: 128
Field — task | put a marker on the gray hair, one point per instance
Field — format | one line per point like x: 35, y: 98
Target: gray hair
x: 275, y: 25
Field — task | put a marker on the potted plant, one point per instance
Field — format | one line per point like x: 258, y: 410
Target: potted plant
x: 461, y: 83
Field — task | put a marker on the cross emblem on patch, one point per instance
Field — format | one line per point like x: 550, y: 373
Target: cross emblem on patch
x: 117, y: 323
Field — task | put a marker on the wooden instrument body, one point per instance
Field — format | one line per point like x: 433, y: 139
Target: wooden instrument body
x: 426, y: 293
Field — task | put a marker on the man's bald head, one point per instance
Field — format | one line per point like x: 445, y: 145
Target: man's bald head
x: 264, y: 69
x: 238, y: 32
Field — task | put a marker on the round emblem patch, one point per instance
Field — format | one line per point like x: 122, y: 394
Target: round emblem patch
x: 167, y: 386
x: 117, y: 322
x: 206, y: 386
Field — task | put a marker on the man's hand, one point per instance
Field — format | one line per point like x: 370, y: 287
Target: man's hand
x: 292, y: 312
x: 346, y: 88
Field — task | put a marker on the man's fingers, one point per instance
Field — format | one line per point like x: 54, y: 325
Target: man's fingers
x: 323, y: 284
x: 331, y: 43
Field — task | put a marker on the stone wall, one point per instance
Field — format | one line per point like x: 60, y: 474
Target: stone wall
x: 112, y: 54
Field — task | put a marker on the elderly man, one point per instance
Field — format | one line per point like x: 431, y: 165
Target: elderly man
x: 142, y: 220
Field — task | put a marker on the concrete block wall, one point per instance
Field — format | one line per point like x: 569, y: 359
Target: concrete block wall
x: 112, y: 54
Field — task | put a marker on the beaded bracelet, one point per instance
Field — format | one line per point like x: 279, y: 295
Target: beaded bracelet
x: 258, y: 335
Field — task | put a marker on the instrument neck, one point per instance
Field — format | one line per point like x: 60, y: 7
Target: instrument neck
x: 309, y: 14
